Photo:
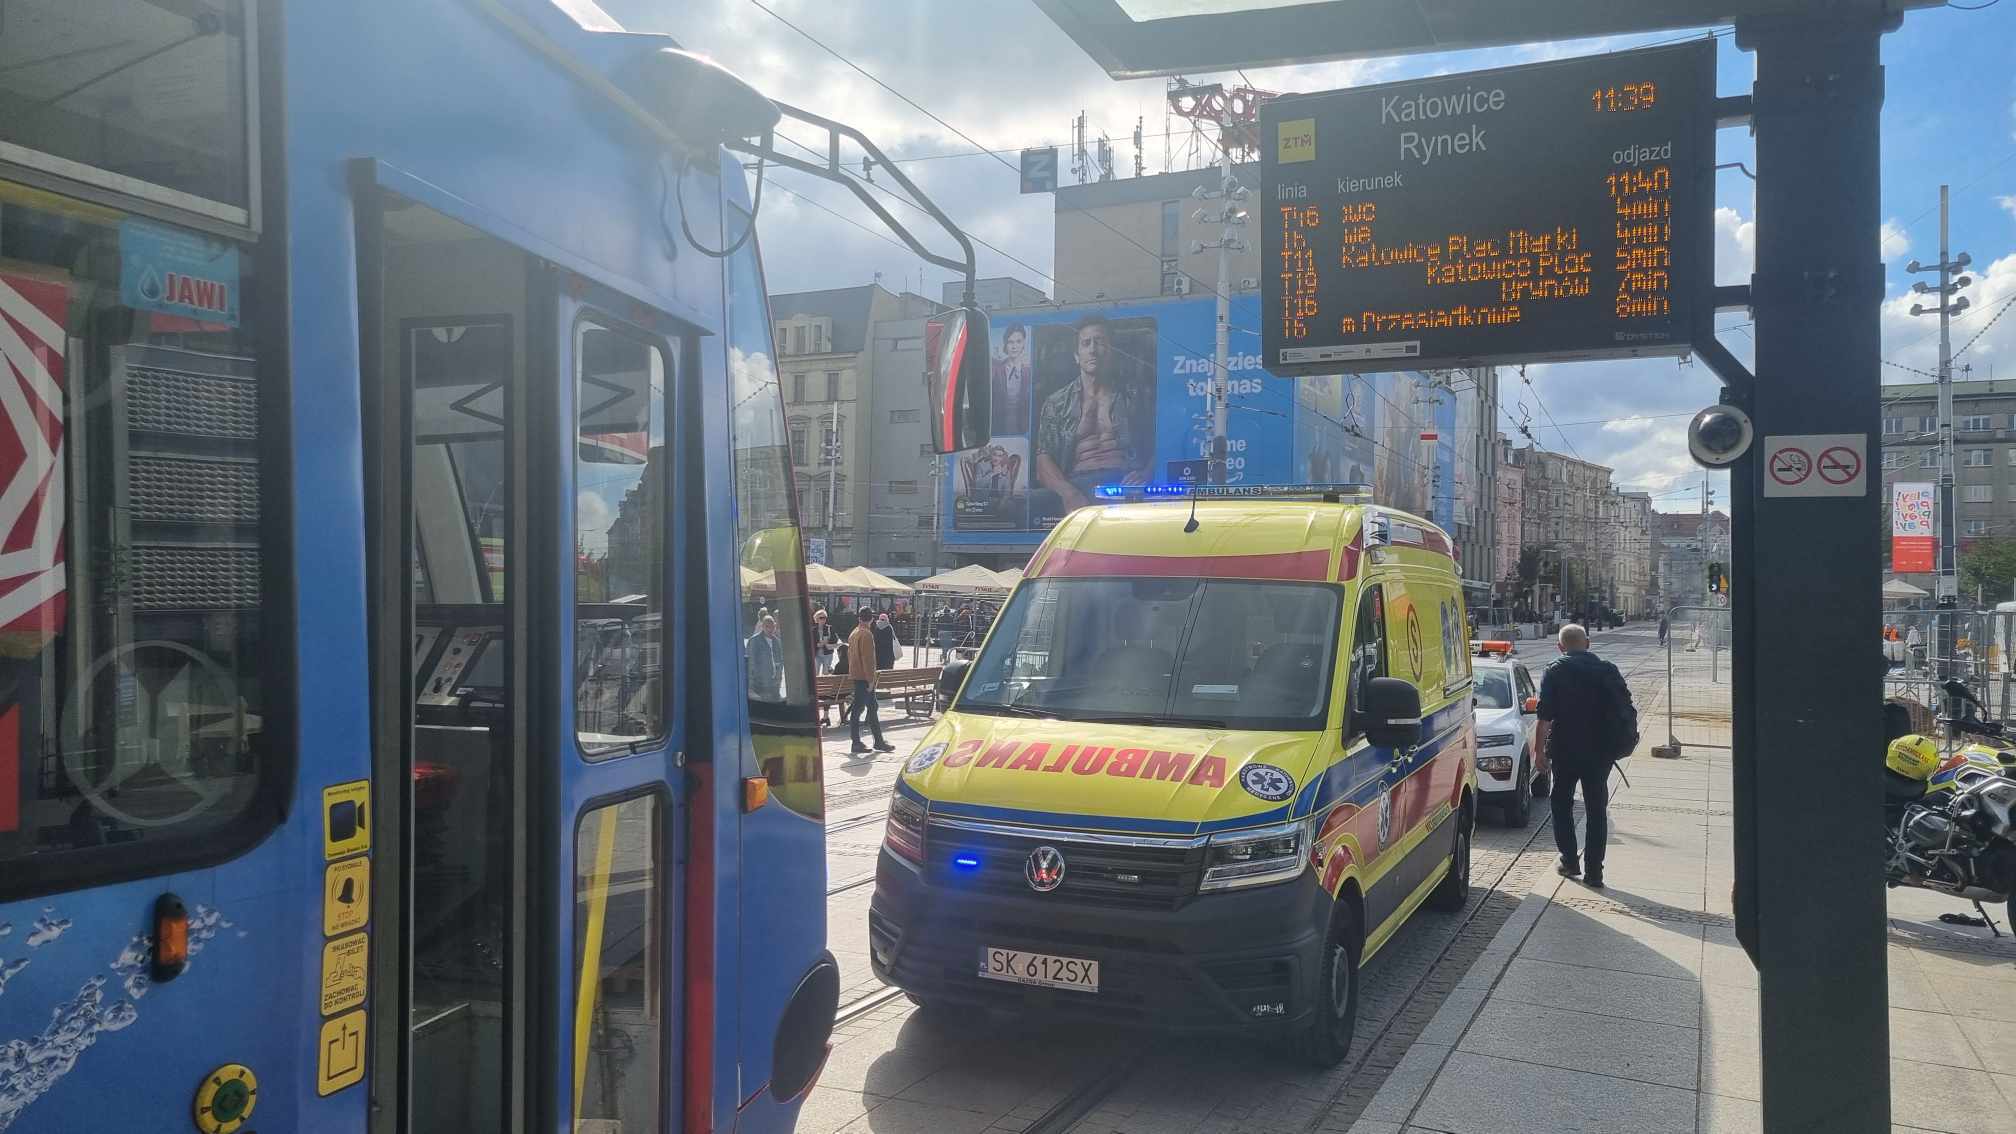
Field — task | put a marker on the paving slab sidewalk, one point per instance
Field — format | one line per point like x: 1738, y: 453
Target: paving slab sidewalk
x: 1634, y: 1009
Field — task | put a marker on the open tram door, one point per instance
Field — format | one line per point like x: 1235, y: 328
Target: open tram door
x: 579, y: 858
x: 529, y: 752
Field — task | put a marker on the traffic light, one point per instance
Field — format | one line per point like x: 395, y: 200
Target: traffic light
x: 1714, y: 578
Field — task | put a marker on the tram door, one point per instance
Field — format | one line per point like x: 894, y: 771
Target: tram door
x: 523, y: 753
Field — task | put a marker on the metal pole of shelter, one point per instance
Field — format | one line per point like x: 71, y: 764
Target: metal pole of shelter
x: 1228, y: 239
x: 1949, y: 506
x: 1807, y: 684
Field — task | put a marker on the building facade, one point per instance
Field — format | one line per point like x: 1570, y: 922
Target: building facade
x: 1131, y: 238
x: 1632, y: 563
x: 996, y: 293
x: 1473, y: 462
x: 1984, y: 449
x: 1685, y: 543
x: 1510, y: 485
x: 902, y: 518
x: 827, y: 355
x: 1567, y: 506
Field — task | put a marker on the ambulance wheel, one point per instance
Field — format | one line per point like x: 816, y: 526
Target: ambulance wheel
x: 1325, y: 1039
x: 933, y: 1014
x: 1455, y: 888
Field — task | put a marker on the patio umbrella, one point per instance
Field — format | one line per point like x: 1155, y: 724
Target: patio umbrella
x: 871, y: 580
x: 1899, y: 589
x: 971, y: 579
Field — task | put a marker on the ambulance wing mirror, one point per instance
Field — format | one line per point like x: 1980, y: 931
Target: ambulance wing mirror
x: 957, y: 384
x: 1532, y: 705
x: 1392, y: 713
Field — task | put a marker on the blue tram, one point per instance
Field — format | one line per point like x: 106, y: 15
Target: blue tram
x: 393, y: 435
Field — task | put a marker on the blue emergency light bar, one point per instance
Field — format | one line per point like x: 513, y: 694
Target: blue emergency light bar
x: 1181, y: 490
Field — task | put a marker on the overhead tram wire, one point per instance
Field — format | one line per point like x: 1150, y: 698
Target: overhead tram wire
x: 968, y: 138
x: 1146, y: 251
x: 1011, y: 258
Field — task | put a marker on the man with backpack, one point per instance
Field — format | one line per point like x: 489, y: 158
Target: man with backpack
x: 1587, y: 724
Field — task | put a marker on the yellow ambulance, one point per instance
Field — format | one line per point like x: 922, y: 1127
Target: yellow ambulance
x: 1216, y: 750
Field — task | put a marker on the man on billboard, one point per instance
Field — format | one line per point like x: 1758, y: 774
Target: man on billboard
x: 1014, y: 381
x: 1092, y: 431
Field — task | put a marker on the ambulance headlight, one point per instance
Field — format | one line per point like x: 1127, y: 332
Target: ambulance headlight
x: 903, y: 835
x: 1257, y: 857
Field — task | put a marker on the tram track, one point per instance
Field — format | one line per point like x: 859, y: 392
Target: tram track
x: 1083, y: 1099
x: 1105, y: 1079
x: 854, y: 822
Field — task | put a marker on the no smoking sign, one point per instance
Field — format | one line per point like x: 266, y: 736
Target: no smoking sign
x: 1816, y: 464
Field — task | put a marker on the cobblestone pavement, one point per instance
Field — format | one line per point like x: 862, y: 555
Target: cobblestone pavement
x: 893, y: 1072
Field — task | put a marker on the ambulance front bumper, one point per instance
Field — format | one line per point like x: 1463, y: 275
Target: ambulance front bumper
x: 1240, y: 959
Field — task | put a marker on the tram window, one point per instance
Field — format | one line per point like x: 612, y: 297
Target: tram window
x: 136, y: 88
x: 785, y: 748
x: 618, y: 1009
x: 620, y: 495
x: 132, y: 702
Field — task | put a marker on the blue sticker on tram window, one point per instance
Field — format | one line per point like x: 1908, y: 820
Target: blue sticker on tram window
x: 175, y: 272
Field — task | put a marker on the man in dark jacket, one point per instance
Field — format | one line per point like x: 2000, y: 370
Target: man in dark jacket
x: 1578, y: 695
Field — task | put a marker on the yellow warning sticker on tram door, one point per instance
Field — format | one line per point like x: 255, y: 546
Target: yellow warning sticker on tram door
x: 339, y: 1053
x: 346, y: 827
x: 343, y: 972
x: 346, y: 896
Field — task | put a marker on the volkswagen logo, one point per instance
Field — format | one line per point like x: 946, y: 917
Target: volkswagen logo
x: 1045, y: 869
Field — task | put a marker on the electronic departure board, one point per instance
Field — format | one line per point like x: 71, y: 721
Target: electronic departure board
x: 1560, y: 210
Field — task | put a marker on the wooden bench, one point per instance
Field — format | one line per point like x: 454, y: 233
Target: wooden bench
x: 911, y: 686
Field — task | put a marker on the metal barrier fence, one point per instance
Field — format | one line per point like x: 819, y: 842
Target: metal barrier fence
x: 1697, y: 707
x: 1917, y: 663
x: 1697, y: 677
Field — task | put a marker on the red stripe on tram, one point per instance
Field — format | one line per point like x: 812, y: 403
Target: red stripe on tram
x: 698, y: 1057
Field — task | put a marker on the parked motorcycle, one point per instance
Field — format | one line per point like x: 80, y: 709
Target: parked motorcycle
x: 1952, y: 823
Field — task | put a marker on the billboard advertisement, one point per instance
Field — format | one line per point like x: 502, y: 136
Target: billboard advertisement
x: 1119, y: 393
x: 1913, y: 528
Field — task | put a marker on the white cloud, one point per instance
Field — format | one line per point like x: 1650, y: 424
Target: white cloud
x: 1894, y: 241
x: 2008, y: 203
x: 1735, y: 246
x: 592, y: 517
x: 1913, y: 341
x: 1636, y: 423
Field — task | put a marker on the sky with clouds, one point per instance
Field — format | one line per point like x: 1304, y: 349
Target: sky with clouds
x: 1002, y: 73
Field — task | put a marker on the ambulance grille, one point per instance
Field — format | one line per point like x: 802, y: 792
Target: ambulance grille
x: 1101, y: 874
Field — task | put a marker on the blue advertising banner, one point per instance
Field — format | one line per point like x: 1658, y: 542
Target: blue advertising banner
x: 178, y: 273
x: 1120, y: 394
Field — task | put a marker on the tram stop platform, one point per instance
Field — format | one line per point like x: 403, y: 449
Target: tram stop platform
x: 1634, y: 1008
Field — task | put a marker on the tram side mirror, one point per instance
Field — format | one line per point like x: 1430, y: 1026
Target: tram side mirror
x: 957, y: 384
x: 1392, y: 713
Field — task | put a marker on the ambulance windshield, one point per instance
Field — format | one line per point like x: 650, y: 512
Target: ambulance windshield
x: 1201, y: 653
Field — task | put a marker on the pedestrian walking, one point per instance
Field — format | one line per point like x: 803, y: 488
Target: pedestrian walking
x: 766, y: 661
x: 861, y: 668
x: 944, y: 624
x: 1662, y: 629
x: 885, y: 642
x: 1587, y: 724
x: 823, y: 641
x: 1914, y: 647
